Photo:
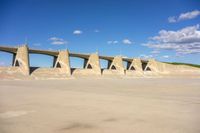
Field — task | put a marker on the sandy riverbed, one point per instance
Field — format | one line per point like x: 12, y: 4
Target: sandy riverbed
x: 140, y: 105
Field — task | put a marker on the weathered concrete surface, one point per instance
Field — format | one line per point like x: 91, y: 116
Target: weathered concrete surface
x: 61, y: 68
x: 20, y: 66
x: 62, y: 63
x: 21, y: 60
x: 94, y: 64
x: 91, y: 66
x: 170, y: 69
x: 133, y: 73
x: 135, y: 68
x: 10, y: 73
x: 48, y: 73
x: 116, y: 67
x: 84, y: 72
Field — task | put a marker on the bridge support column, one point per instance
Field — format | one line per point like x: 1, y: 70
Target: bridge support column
x: 21, y: 59
x: 134, y: 68
x: 136, y: 65
x: 93, y: 63
x: 117, y: 65
x: 62, y: 62
x: 151, y: 65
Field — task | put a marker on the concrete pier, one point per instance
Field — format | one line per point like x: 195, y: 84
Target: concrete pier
x: 134, y: 67
x: 91, y: 66
x: 93, y: 63
x: 115, y: 66
x: 62, y: 62
x: 21, y: 60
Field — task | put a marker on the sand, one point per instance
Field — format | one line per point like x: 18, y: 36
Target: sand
x: 105, y: 105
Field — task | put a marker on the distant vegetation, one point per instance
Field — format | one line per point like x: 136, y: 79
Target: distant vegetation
x: 178, y: 63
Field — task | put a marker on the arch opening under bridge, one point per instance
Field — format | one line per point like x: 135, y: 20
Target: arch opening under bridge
x: 40, y: 61
x: 6, y: 59
x: 145, y: 66
x: 76, y: 63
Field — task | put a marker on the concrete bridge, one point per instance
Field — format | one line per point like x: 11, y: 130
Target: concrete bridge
x: 91, y: 65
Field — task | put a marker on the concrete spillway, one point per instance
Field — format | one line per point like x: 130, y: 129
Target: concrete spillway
x: 91, y: 66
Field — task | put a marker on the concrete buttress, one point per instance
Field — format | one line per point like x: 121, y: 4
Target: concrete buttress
x: 117, y: 64
x: 155, y: 66
x: 136, y: 64
x: 62, y: 62
x: 93, y: 63
x: 21, y: 60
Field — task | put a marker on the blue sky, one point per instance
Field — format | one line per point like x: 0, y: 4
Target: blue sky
x: 165, y: 30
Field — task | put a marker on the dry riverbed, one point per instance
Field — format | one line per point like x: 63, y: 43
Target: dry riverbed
x: 86, y: 105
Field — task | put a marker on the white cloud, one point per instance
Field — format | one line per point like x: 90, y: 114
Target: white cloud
x: 57, y: 41
x: 113, y: 42
x: 165, y: 56
x: 184, y: 16
x: 155, y: 52
x: 127, y: 41
x: 172, y: 19
x: 183, y: 41
x: 96, y: 31
x: 77, y: 32
x: 189, y: 15
x: 109, y: 42
x: 143, y: 56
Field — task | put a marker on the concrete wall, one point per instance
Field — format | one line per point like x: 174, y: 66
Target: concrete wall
x: 21, y: 60
x: 170, y: 69
x: 91, y: 66
x: 20, y: 65
x: 135, y: 68
x: 48, y: 73
x: 62, y: 63
x: 115, y: 67
x: 61, y: 67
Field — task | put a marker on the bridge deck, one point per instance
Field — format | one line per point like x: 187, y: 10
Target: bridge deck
x: 8, y: 49
x: 84, y: 56
x: 46, y: 52
x: 55, y: 53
